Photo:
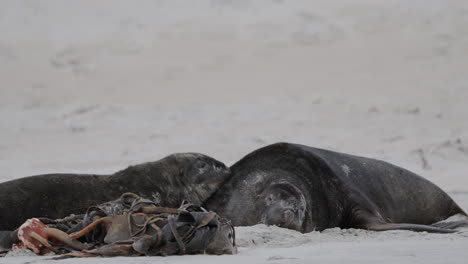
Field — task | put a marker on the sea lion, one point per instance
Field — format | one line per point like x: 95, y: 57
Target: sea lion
x: 184, y: 176
x: 306, y: 189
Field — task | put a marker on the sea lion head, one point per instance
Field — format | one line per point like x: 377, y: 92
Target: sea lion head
x: 284, y: 206
x: 201, y: 174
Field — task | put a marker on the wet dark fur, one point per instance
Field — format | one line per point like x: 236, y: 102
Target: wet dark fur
x: 185, y: 176
x: 340, y: 190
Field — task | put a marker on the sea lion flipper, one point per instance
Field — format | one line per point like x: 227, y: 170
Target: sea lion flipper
x: 410, y: 227
x: 374, y: 222
x: 451, y: 224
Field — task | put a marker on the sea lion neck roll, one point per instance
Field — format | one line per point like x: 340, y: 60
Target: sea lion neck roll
x: 184, y: 176
x: 258, y: 189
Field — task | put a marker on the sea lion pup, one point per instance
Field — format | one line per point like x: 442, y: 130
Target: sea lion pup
x: 184, y: 176
x: 306, y: 189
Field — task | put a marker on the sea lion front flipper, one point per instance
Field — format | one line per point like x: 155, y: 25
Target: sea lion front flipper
x: 410, y: 227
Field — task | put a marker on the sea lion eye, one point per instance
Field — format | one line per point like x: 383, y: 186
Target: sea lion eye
x: 269, y: 199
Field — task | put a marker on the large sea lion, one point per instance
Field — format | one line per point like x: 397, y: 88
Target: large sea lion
x: 184, y: 176
x: 306, y: 189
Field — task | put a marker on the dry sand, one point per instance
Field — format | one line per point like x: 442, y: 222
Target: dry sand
x: 94, y: 86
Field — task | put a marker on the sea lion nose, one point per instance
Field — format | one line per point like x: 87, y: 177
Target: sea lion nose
x: 287, y: 218
x: 278, y: 216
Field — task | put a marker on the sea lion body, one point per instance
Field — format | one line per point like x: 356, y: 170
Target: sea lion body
x: 328, y: 189
x: 184, y: 176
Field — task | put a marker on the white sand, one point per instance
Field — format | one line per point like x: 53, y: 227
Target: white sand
x: 93, y: 86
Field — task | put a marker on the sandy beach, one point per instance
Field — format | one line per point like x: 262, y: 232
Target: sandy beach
x: 92, y: 87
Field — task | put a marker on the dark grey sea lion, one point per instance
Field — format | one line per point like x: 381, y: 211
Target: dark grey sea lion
x: 185, y: 176
x: 306, y: 189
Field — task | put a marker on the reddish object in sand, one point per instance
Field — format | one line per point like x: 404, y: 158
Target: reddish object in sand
x: 32, y: 235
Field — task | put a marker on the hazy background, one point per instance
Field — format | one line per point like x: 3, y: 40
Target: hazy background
x: 93, y: 86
